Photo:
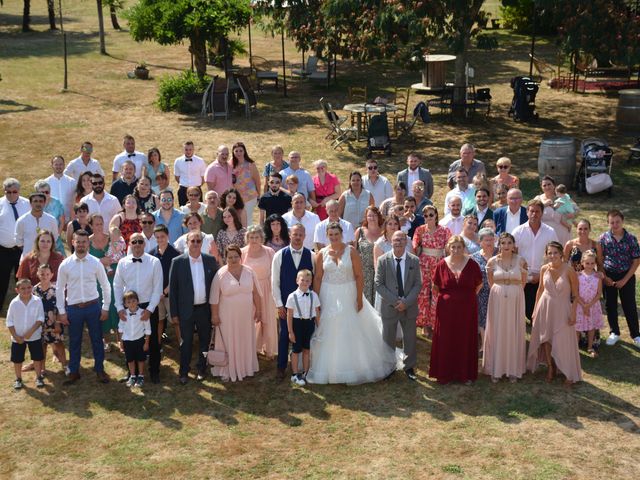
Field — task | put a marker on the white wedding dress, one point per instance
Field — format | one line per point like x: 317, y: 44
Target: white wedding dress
x: 347, y: 347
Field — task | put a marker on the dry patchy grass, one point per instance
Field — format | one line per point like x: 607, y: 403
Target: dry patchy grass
x: 394, y: 429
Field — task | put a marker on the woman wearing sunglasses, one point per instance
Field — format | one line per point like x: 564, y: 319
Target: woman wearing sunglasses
x: 504, y: 176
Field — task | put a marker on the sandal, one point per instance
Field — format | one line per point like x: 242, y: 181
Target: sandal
x: 592, y: 353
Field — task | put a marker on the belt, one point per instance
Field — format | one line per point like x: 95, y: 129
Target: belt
x: 200, y: 305
x: 433, y: 252
x: 85, y: 304
x: 508, y: 282
x: 298, y: 318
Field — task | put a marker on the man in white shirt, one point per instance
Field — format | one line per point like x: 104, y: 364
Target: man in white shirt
x: 189, y: 170
x: 101, y: 202
x: 453, y: 220
x: 31, y: 223
x: 299, y: 214
x: 467, y: 161
x: 148, y: 222
x: 139, y: 159
x: 377, y: 184
x: 463, y: 190
x: 531, y: 240
x: 141, y: 273
x: 83, y: 163
x: 305, y: 182
x: 320, y: 232
x: 78, y: 277
x: 12, y: 207
x: 63, y: 187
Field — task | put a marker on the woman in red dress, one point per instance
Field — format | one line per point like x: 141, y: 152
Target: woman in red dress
x: 454, y: 349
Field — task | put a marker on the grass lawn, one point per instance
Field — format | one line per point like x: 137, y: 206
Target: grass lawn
x: 258, y: 428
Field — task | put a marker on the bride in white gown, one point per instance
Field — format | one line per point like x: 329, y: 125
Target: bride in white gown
x: 347, y: 347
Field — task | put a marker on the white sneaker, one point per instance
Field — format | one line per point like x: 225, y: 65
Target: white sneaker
x: 67, y: 371
x: 294, y: 377
x: 613, y: 339
x: 300, y: 381
x: 636, y: 341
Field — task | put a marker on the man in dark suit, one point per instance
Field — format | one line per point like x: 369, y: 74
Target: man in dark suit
x: 513, y: 215
x: 481, y: 209
x: 415, y: 172
x: 190, y: 280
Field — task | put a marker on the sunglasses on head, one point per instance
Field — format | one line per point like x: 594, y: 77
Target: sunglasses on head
x: 137, y: 242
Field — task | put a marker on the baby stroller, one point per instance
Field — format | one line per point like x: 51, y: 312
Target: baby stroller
x: 594, y: 174
x: 378, y: 138
x: 523, y: 105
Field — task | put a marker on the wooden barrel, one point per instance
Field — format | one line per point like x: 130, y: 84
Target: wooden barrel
x: 557, y: 158
x: 628, y: 112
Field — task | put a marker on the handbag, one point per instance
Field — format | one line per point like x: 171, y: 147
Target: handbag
x: 217, y: 358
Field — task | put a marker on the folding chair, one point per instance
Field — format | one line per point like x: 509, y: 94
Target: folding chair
x: 341, y: 134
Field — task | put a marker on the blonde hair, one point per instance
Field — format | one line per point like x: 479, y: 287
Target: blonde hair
x: 589, y: 254
x: 320, y: 163
x: 504, y: 161
x: 304, y: 273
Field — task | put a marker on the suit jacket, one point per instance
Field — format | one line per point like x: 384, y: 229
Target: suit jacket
x: 500, y: 217
x: 474, y: 211
x: 424, y: 175
x: 181, y: 283
x: 387, y: 286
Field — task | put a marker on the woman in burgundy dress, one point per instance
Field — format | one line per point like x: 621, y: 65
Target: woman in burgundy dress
x: 454, y: 349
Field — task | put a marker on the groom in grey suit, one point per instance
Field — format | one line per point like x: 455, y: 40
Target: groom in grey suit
x: 398, y: 282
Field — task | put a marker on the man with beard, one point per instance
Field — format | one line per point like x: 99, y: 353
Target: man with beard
x: 275, y: 200
x: 101, y: 202
x: 453, y: 220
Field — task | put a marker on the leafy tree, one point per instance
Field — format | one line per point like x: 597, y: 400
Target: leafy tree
x: 170, y: 22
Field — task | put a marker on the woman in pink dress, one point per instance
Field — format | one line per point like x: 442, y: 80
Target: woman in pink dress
x: 553, y: 337
x: 327, y: 186
x: 258, y: 257
x: 235, y: 307
x: 429, y: 241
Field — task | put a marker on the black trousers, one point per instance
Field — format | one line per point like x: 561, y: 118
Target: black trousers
x: 201, y: 318
x: 182, y: 195
x: 627, y: 299
x: 9, y: 262
x: 530, y: 291
x: 154, y: 345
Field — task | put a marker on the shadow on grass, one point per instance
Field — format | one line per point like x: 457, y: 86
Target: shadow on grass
x: 262, y: 397
x: 46, y: 43
x: 11, y: 106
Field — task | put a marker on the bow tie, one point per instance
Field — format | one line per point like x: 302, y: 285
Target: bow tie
x: 131, y: 155
x: 305, y: 294
x: 134, y: 260
x: 296, y: 252
x: 188, y: 159
x: 132, y: 314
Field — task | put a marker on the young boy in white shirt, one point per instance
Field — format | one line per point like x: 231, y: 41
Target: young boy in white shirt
x: 303, y: 316
x: 24, y: 320
x: 134, y: 338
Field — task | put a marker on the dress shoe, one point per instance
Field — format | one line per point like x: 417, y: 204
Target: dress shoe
x: 71, y: 379
x: 411, y: 374
x: 103, y: 377
x: 184, y: 380
x: 280, y: 375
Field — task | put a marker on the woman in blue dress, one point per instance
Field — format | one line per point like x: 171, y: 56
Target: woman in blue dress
x: 487, y: 240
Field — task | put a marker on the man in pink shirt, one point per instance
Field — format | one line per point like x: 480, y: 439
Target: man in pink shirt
x: 219, y: 174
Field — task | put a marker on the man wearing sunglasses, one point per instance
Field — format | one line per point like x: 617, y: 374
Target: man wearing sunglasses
x: 377, y: 184
x: 169, y: 216
x: 148, y: 222
x: 141, y: 273
x: 101, y: 202
x: 12, y: 207
x: 190, y: 280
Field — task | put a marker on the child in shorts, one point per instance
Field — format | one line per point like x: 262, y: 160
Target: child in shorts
x: 134, y: 338
x: 303, y: 316
x: 24, y: 321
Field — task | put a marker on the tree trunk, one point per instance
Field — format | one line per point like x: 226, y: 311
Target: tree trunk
x: 103, y: 48
x: 52, y: 14
x: 114, y: 18
x: 198, y: 49
x: 26, y: 16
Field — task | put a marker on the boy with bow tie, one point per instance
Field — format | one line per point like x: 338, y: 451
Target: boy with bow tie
x: 134, y: 338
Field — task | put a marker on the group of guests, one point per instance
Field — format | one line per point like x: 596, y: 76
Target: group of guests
x: 140, y: 261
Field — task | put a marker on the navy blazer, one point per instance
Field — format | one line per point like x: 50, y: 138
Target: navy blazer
x: 500, y: 217
x: 181, y: 283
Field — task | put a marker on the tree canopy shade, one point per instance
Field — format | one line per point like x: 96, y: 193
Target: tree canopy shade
x: 169, y: 22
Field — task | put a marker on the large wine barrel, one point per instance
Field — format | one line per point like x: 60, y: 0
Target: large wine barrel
x: 557, y: 158
x: 628, y: 112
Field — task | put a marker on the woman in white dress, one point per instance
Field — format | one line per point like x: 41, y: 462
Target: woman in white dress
x: 347, y: 346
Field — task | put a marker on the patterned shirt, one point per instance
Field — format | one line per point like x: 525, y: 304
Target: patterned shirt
x: 619, y: 255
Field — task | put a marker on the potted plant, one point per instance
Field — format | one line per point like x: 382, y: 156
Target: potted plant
x: 141, y: 71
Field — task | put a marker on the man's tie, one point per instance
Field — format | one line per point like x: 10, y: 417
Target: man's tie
x: 131, y: 155
x: 399, y: 278
x: 136, y: 260
x: 15, y: 210
x: 188, y: 159
x: 132, y: 314
x: 296, y: 252
x: 305, y: 294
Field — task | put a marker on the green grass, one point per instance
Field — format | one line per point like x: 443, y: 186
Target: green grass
x: 258, y: 428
